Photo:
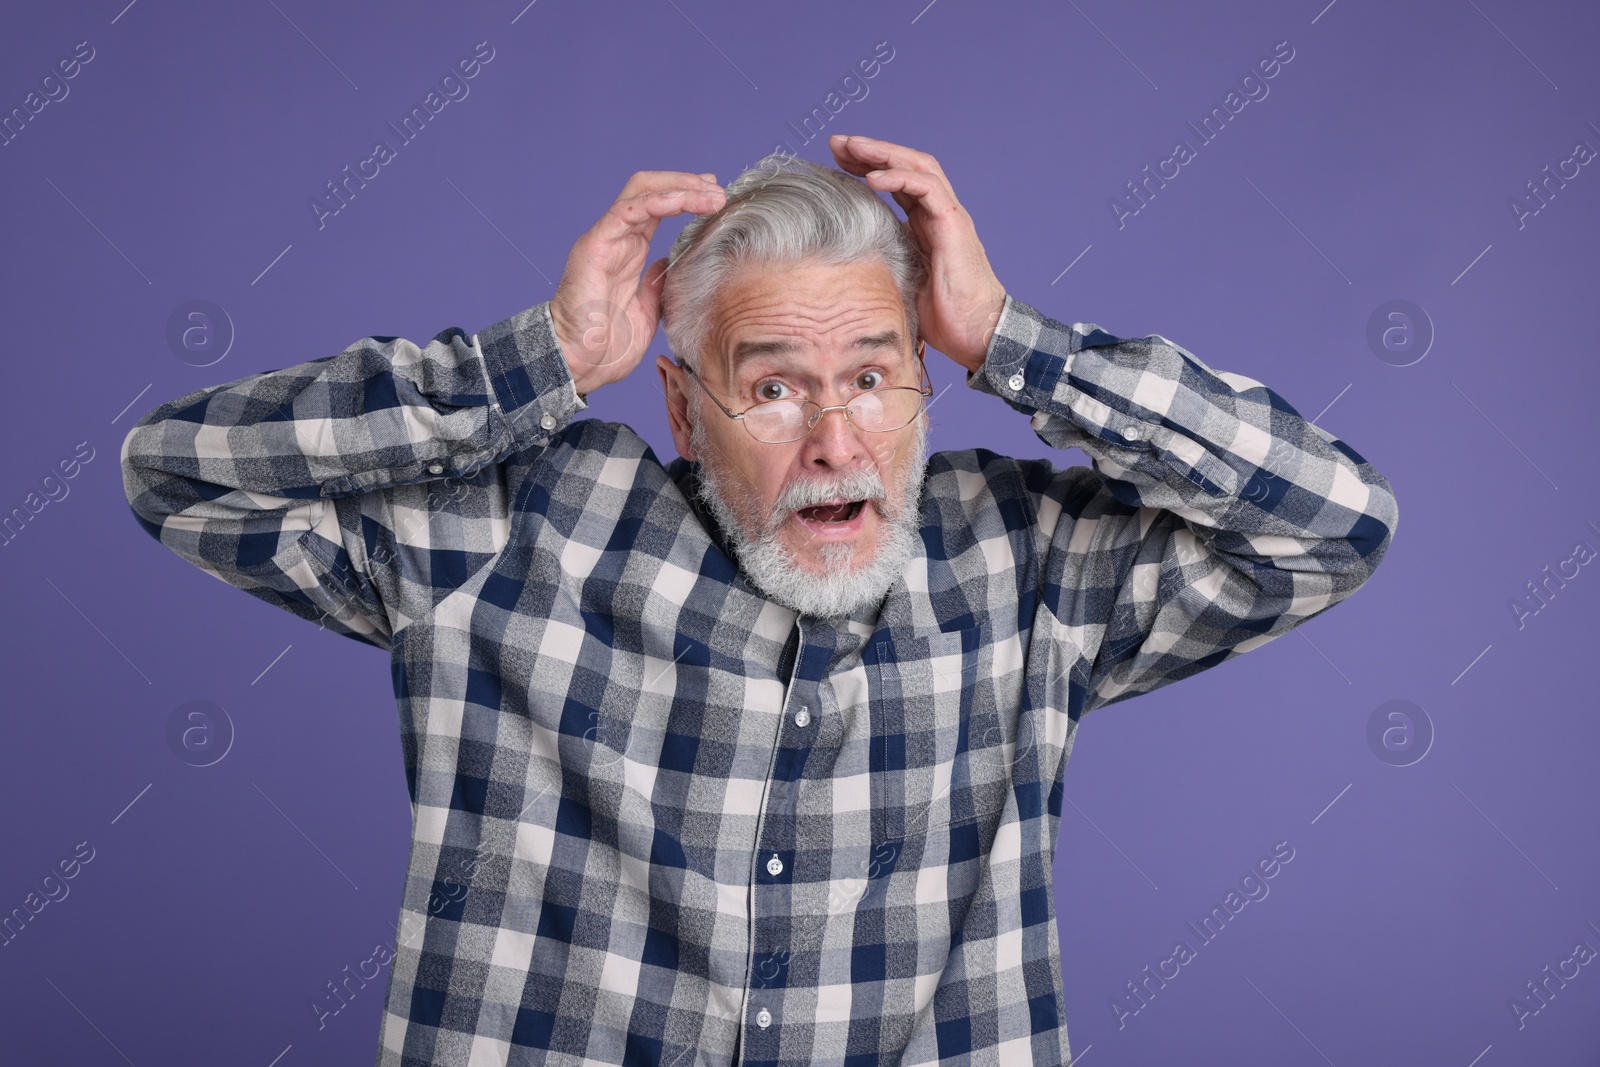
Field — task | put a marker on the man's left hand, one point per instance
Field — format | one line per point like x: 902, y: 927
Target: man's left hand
x: 962, y: 300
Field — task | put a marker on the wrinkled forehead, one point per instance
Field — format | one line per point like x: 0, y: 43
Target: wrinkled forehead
x: 817, y: 321
x: 844, y: 352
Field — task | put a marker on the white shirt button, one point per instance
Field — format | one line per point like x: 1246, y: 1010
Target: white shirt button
x: 1132, y: 433
x: 763, y: 1018
x: 548, y: 422
x: 1017, y: 381
x: 436, y: 468
x: 802, y: 718
x: 774, y: 866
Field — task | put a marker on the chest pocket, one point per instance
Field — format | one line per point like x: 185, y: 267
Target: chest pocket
x: 942, y: 732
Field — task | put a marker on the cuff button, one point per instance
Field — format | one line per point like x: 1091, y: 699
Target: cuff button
x: 1016, y: 381
x: 548, y: 422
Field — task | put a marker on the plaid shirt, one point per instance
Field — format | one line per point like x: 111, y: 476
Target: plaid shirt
x: 657, y: 817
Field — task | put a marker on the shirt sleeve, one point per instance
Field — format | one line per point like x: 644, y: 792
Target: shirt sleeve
x: 1214, y: 519
x: 355, y: 490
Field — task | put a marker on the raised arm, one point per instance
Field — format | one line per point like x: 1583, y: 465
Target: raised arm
x: 352, y: 489
x: 358, y: 490
x: 1215, y: 517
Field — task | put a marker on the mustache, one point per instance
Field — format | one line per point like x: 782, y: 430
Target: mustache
x: 862, y: 484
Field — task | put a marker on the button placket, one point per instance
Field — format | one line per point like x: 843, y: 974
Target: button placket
x: 771, y: 898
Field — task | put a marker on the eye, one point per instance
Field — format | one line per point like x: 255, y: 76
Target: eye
x: 772, y: 391
x: 869, y: 379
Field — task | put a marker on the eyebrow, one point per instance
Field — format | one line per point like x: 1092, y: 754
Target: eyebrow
x: 886, y: 340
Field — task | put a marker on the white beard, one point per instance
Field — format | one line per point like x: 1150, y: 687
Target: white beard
x: 846, y: 585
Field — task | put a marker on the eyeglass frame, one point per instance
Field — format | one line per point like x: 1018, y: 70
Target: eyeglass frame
x: 922, y: 365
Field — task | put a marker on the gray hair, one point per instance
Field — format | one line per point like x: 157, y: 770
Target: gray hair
x: 779, y: 212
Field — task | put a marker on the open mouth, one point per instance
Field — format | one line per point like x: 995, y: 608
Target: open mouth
x: 825, y: 513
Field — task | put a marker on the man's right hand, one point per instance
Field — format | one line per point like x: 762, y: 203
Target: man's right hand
x: 605, y: 313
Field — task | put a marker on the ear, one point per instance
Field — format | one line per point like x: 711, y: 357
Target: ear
x: 675, y: 387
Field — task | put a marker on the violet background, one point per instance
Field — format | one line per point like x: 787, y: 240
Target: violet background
x: 222, y: 899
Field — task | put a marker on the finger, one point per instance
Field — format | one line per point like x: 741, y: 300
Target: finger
x: 647, y: 181
x: 863, y: 155
x: 858, y: 155
x: 641, y: 214
x: 913, y: 189
x: 855, y: 154
x: 650, y: 289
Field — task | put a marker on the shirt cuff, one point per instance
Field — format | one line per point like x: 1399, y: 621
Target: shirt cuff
x: 1026, y: 360
x: 1045, y: 368
x: 528, y: 374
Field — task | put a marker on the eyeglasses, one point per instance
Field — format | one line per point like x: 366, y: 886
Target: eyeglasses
x: 777, y: 422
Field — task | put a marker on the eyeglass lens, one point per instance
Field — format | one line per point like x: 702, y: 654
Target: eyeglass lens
x: 778, y: 421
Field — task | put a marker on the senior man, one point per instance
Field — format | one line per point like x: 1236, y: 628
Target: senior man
x: 755, y: 757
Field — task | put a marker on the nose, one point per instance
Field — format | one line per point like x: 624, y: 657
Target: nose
x: 834, y: 442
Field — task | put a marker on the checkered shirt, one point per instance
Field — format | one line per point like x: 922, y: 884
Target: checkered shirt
x: 659, y: 818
